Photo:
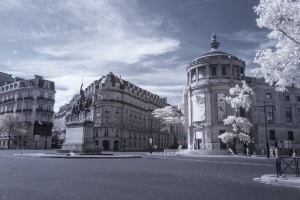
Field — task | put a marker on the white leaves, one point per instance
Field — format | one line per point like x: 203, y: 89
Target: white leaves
x: 244, y: 137
x: 281, y: 66
x: 240, y: 96
x: 227, y: 136
x: 168, y: 114
x: 238, y: 123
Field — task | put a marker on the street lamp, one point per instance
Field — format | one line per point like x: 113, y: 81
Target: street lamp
x: 150, y: 135
x: 266, y: 124
x: 151, y: 142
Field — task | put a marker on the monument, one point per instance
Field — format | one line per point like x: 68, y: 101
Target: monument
x: 79, y: 129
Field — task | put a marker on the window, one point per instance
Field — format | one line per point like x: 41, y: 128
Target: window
x: 269, y: 113
x: 268, y: 95
x: 238, y: 74
x: 288, y: 114
x: 298, y: 114
x: 297, y: 98
x: 290, y: 135
x: 214, y: 71
x: 193, y: 75
x: 223, y: 71
x: 106, y: 133
x: 272, y: 134
x: 202, y: 72
x: 233, y: 72
x: 287, y: 98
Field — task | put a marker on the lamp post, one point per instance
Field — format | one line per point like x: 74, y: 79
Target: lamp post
x: 151, y: 137
x: 266, y: 124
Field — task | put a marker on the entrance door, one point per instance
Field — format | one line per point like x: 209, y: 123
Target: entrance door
x: 105, y: 145
x: 199, y: 141
x: 116, y: 145
x: 222, y: 144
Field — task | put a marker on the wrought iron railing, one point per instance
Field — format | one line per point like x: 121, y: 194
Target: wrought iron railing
x: 287, y: 165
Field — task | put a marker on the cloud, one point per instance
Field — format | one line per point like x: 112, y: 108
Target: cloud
x: 67, y: 41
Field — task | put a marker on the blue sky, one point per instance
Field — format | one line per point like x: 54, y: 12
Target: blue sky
x: 147, y: 42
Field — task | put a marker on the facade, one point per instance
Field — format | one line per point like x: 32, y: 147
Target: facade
x: 209, y: 78
x: 121, y: 114
x: 282, y: 113
x: 33, y: 100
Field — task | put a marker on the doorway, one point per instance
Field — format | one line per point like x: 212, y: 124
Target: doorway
x: 116, y: 145
x: 105, y: 145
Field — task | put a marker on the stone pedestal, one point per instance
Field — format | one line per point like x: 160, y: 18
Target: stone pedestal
x: 79, y: 136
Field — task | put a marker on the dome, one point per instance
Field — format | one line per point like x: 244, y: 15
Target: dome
x: 214, y: 54
x: 214, y: 66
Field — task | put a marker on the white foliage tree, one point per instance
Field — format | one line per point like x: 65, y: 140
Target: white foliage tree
x: 240, y: 98
x: 280, y: 66
x: 11, y: 125
x: 169, y: 116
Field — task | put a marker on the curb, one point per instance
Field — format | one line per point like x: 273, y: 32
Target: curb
x: 286, y: 180
x: 39, y: 155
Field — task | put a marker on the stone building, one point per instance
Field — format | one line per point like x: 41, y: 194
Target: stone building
x: 33, y: 100
x: 275, y: 117
x: 209, y: 78
x: 121, y: 113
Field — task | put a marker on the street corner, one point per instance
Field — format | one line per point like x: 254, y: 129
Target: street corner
x: 284, y: 180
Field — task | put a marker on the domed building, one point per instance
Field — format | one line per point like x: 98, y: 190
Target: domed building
x: 209, y: 78
x: 275, y: 116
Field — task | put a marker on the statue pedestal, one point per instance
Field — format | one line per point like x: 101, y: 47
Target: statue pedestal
x: 79, y: 136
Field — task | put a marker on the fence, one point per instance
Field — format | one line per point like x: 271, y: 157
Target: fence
x: 287, y: 165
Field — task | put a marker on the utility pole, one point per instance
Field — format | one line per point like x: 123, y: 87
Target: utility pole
x: 266, y: 124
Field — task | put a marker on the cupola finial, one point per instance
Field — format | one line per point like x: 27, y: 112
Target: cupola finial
x: 214, y: 44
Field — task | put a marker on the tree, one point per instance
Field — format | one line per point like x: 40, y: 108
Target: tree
x: 169, y: 115
x: 280, y: 66
x: 239, y: 100
x: 12, y: 125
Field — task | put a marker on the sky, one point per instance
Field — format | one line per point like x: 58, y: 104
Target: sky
x: 147, y: 42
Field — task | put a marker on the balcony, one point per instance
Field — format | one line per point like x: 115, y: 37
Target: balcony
x: 44, y: 111
x: 45, y: 99
x: 8, y: 100
x: 28, y: 98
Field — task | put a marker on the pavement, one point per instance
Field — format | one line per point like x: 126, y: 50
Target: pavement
x: 284, y: 180
x: 287, y: 180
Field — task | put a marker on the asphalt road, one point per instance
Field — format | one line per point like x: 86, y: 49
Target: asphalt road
x: 169, y: 178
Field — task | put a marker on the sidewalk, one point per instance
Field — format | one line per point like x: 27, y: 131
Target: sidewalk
x: 284, y: 180
x: 77, y: 156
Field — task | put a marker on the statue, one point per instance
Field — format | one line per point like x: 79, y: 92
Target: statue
x: 82, y: 104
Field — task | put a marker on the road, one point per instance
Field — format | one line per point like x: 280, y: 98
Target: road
x: 184, y: 178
